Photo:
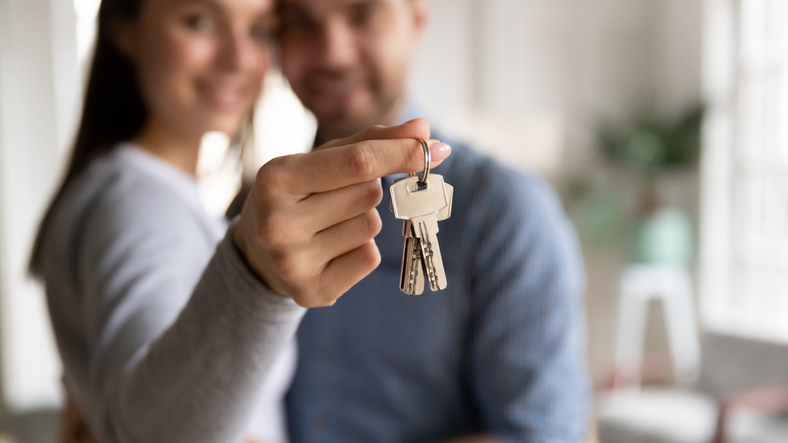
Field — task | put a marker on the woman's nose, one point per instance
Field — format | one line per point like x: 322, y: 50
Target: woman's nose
x: 241, y: 52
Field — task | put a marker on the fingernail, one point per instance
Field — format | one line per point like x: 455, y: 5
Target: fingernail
x: 439, y: 151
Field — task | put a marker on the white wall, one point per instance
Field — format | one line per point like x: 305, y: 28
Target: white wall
x: 38, y: 103
x: 557, y: 65
x: 528, y: 80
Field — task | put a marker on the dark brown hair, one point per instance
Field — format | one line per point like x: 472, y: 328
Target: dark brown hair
x: 114, y: 110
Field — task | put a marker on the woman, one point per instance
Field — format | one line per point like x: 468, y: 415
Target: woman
x: 165, y: 335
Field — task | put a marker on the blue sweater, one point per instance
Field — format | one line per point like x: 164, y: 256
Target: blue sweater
x: 501, y: 351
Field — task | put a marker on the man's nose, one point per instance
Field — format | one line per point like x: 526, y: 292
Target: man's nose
x: 339, y: 46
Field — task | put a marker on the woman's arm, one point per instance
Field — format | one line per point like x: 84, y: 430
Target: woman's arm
x: 167, y: 363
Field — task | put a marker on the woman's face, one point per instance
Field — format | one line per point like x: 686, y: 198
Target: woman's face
x: 200, y: 62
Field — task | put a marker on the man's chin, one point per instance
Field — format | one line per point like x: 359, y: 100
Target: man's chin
x: 344, y: 123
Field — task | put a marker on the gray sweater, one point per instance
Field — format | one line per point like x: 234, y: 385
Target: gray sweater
x: 164, y: 336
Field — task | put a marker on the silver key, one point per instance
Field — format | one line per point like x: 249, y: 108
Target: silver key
x: 411, y: 279
x: 412, y: 274
x: 445, y: 213
x: 413, y: 269
x: 421, y: 207
x: 426, y: 228
x: 408, y: 201
x: 416, y: 260
x: 439, y: 282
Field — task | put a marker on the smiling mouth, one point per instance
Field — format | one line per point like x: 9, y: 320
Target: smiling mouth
x: 336, y: 94
x: 223, y: 97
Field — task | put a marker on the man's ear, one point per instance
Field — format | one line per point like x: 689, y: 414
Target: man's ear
x: 420, y: 10
x: 124, y: 34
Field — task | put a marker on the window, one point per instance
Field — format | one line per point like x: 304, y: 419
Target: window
x: 86, y: 12
x: 745, y: 210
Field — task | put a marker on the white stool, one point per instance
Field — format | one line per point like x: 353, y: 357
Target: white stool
x: 672, y: 285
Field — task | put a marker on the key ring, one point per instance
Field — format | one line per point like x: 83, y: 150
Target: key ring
x: 427, y: 161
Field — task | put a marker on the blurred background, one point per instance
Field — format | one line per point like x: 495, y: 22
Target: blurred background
x: 662, y: 123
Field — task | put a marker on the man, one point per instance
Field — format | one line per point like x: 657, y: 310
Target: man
x: 497, y: 356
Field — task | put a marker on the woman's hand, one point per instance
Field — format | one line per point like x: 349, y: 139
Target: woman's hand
x: 308, y: 226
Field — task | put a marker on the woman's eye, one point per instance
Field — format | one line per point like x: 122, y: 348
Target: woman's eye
x: 199, y: 22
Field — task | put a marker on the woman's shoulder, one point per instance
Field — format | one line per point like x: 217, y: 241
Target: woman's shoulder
x: 112, y: 185
x: 114, y: 198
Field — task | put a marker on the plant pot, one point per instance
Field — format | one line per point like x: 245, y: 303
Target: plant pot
x: 665, y: 236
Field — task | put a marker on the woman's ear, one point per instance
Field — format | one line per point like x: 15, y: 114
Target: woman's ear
x: 124, y: 34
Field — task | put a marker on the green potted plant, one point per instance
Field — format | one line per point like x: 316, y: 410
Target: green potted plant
x: 650, y: 146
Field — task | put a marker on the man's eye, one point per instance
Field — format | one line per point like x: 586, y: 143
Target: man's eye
x: 292, y: 22
x: 262, y: 33
x: 364, y: 14
x: 199, y: 22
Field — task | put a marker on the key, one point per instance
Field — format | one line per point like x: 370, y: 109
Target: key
x: 443, y: 214
x: 426, y: 228
x: 412, y: 264
x: 408, y: 201
x: 421, y: 207
x: 411, y: 278
x: 413, y: 270
x: 411, y: 275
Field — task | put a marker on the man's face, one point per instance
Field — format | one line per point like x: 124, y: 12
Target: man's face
x: 347, y: 60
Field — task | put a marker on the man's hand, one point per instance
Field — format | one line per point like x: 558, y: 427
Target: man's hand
x: 308, y: 226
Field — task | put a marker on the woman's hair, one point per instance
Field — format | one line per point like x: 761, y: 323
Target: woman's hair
x: 114, y: 109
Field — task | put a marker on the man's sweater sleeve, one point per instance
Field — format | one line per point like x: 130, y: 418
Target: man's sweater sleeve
x: 168, y: 361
